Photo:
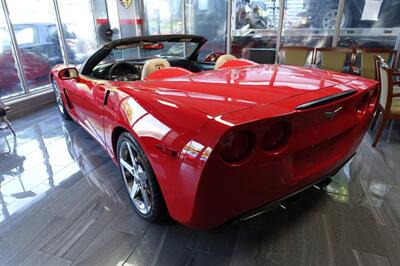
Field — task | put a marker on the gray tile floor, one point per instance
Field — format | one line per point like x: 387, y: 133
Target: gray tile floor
x: 62, y: 203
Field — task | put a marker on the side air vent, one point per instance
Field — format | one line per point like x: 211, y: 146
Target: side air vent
x: 66, y: 97
x: 325, y: 100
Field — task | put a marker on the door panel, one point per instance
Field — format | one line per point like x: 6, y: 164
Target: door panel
x: 87, y: 99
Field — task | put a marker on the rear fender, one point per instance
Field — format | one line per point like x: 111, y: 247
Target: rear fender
x: 157, y: 124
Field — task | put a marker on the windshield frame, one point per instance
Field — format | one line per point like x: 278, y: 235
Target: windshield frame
x: 104, y: 51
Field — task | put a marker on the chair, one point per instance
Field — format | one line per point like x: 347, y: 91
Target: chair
x: 378, y: 61
x: 389, y: 101
x: 295, y: 55
x: 4, y: 109
x: 334, y: 58
x: 367, y: 69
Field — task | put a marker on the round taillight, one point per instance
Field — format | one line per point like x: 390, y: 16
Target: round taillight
x: 276, y: 136
x: 363, y: 105
x: 236, y: 146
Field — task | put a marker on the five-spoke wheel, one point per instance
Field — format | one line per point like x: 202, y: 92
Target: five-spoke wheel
x: 139, y: 179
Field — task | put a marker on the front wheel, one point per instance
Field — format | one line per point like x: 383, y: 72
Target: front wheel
x: 139, y: 180
x: 59, y: 101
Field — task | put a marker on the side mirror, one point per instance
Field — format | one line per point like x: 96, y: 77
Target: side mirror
x: 68, y: 73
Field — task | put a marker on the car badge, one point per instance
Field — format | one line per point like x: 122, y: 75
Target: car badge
x: 126, y: 3
x: 331, y: 115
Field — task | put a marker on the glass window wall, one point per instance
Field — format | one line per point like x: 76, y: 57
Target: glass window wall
x: 78, y: 29
x: 35, y: 27
x: 207, y: 18
x: 34, y: 24
x: 164, y: 17
x: 370, y: 23
x: 254, y: 28
x: 10, y: 82
x: 309, y: 23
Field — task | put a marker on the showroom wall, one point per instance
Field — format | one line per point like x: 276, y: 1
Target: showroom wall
x: 38, y: 34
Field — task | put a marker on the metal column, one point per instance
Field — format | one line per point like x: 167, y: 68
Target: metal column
x: 94, y: 22
x: 184, y: 16
x: 229, y: 27
x: 184, y: 24
x: 14, y: 46
x: 113, y: 18
x: 338, y: 22
x: 280, y: 29
x: 61, y: 33
x: 397, y: 48
x: 139, y: 15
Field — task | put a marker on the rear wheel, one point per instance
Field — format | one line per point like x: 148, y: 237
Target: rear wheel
x: 139, y: 180
x: 59, y: 101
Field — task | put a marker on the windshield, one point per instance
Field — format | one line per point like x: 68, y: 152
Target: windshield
x: 151, y: 50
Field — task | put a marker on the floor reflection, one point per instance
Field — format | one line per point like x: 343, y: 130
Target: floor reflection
x: 40, y: 159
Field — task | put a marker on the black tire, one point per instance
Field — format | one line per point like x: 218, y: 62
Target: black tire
x: 60, y: 102
x: 158, y: 211
x: 322, y: 15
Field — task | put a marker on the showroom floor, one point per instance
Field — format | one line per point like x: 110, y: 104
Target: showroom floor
x: 62, y: 203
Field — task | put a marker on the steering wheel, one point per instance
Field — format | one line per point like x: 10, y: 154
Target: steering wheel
x: 123, y: 71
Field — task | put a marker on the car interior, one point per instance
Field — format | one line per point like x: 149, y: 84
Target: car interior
x: 133, y: 70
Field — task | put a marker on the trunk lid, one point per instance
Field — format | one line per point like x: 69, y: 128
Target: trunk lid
x: 228, y: 90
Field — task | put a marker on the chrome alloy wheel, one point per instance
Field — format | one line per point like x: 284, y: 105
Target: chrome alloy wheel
x: 59, y: 99
x: 135, y: 178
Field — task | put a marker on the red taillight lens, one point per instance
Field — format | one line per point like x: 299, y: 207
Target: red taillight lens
x: 276, y: 136
x: 363, y: 105
x: 236, y: 146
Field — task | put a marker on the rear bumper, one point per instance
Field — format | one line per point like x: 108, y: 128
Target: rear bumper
x: 212, y: 211
x: 253, y: 213
x: 226, y: 194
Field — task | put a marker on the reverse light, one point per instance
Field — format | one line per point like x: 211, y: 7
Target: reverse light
x: 362, y: 106
x: 373, y: 98
x: 276, y: 136
x: 236, y: 146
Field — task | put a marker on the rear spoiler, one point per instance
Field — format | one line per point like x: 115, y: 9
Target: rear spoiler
x: 325, y: 100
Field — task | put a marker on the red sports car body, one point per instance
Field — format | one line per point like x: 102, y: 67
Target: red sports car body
x: 222, y: 143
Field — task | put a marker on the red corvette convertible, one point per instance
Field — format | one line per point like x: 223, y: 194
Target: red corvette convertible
x: 212, y: 143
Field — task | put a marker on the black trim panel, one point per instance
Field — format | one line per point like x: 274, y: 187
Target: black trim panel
x: 66, y: 97
x: 325, y: 100
x: 106, y: 97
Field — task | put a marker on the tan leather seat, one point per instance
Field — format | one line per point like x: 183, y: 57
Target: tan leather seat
x: 223, y: 59
x: 153, y: 65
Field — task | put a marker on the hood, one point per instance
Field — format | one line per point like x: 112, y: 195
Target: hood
x: 218, y: 92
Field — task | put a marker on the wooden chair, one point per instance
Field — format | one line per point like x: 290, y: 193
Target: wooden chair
x: 4, y: 109
x: 389, y: 101
x: 334, y: 58
x: 378, y: 61
x: 367, y: 68
x: 295, y: 55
